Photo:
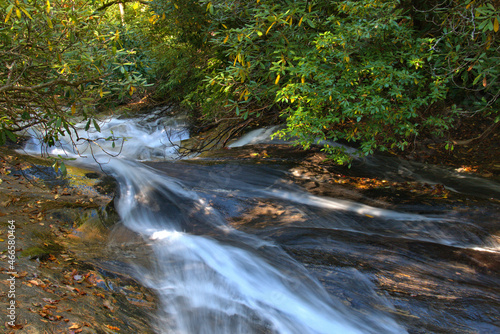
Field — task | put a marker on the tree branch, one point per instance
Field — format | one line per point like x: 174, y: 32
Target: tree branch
x: 480, y: 137
x: 115, y: 2
x: 52, y: 83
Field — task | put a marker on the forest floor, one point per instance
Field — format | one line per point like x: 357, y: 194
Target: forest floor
x: 58, y: 290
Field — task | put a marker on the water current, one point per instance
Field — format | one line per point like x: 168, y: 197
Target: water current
x: 233, y: 247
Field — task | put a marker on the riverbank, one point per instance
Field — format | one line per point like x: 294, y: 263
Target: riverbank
x: 51, y: 283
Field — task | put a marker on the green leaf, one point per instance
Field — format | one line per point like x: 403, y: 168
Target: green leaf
x: 96, y: 126
x: 10, y: 135
x: 64, y: 171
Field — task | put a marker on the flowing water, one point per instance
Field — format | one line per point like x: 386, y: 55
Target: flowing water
x: 241, y: 248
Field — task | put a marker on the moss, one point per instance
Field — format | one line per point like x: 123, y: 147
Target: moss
x: 46, y: 246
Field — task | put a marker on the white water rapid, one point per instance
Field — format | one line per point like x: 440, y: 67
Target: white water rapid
x: 227, y: 282
x: 213, y: 278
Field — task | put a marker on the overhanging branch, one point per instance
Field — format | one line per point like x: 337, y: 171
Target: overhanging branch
x: 116, y: 2
x: 12, y: 87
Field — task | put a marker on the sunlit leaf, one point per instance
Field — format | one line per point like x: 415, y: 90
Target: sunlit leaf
x: 9, y: 12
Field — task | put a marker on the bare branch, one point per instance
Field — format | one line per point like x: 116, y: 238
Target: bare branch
x: 116, y: 2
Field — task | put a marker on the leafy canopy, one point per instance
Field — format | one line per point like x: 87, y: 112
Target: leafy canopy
x: 58, y: 59
x: 374, y: 72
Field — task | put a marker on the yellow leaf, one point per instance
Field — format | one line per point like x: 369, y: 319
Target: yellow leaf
x: 224, y: 26
x: 225, y: 39
x: 75, y: 326
x: 132, y: 90
x: 73, y: 109
x: 9, y: 13
x: 277, y: 80
x: 48, y: 7
x: 300, y: 21
x: 302, y: 80
x: 114, y: 328
x: 26, y: 13
x: 49, y: 22
x: 101, y: 93
x: 495, y: 24
x: 270, y: 27
x: 18, y: 13
x: 485, y: 83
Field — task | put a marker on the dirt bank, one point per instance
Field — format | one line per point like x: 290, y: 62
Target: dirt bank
x: 53, y: 286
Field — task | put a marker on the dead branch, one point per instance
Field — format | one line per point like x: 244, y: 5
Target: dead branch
x: 482, y: 136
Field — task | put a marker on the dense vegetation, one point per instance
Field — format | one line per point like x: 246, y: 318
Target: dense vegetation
x: 378, y: 73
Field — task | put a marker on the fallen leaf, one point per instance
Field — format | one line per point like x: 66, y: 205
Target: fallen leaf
x: 20, y: 275
x: 75, y: 326
x: 107, y: 304
x: 113, y: 328
x: 36, y: 282
x: 50, y: 301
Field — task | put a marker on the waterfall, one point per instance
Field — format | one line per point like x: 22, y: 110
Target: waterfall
x: 212, y: 278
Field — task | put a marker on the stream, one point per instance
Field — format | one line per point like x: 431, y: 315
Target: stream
x: 238, y: 247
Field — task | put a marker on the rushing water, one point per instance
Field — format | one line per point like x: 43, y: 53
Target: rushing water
x: 232, y: 248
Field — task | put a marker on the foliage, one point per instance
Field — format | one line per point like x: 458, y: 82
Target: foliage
x: 347, y: 70
x: 59, y: 58
x: 466, y: 49
x: 362, y: 80
x: 180, y: 51
x: 377, y: 73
